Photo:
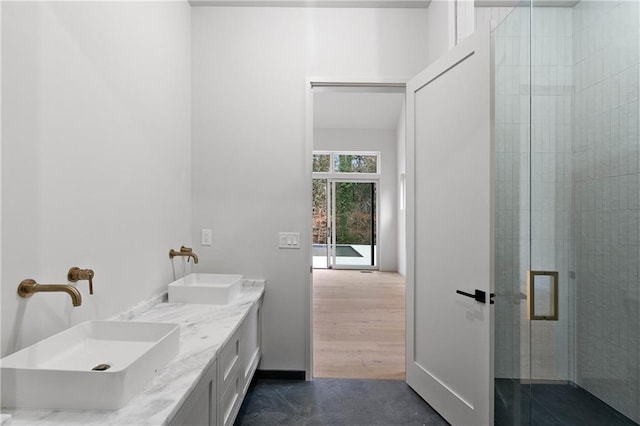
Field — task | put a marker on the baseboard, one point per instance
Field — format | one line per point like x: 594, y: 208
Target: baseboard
x: 280, y: 374
x: 544, y: 382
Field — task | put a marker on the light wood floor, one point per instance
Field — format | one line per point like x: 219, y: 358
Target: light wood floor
x: 358, y: 325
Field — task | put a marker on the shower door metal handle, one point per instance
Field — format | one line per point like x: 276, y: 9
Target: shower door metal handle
x: 478, y: 296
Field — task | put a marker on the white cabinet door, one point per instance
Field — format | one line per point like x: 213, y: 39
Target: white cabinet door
x: 200, y: 407
x: 449, y: 233
x: 250, y: 346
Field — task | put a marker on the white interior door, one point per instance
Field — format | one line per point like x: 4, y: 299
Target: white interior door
x: 449, y: 233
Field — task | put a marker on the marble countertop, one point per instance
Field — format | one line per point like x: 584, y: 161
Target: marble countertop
x: 204, y: 329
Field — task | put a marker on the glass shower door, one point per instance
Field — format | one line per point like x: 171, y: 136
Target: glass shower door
x: 512, y: 130
x: 551, y: 264
x: 567, y: 150
x: 585, y: 185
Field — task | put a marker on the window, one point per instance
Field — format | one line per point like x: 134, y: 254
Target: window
x: 346, y: 162
x: 355, y: 163
x: 322, y: 163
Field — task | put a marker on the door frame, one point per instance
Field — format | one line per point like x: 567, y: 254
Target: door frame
x: 310, y: 84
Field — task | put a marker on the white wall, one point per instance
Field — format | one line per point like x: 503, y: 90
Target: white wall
x: 465, y: 19
x: 448, y: 23
x: 250, y: 166
x: 492, y: 16
x: 441, y: 28
x: 401, y: 144
x: 95, y: 156
x: 383, y: 141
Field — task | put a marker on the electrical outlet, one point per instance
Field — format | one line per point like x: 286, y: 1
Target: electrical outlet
x: 206, y: 236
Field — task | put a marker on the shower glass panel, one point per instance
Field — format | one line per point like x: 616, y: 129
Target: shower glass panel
x: 568, y: 187
x: 512, y: 128
x: 551, y: 348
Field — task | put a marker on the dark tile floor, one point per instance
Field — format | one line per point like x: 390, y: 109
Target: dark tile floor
x: 340, y: 402
x: 551, y: 404
x: 334, y: 402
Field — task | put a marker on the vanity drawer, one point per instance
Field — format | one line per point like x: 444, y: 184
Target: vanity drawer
x: 230, y: 402
x: 229, y: 361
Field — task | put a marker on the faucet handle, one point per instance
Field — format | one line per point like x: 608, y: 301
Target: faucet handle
x: 90, y: 275
x: 75, y: 274
x: 184, y: 249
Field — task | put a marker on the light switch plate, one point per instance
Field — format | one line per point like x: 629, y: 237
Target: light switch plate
x: 289, y: 240
x: 206, y: 236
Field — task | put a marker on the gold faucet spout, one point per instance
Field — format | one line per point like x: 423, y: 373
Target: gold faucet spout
x: 29, y: 287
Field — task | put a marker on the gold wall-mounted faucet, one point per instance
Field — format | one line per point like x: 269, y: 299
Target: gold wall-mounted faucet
x: 29, y: 287
x: 184, y: 251
x: 76, y: 274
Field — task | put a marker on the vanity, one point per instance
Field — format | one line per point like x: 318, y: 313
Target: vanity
x: 206, y: 382
x: 218, y: 395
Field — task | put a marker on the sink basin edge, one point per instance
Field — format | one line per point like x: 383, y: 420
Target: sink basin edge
x: 42, y: 386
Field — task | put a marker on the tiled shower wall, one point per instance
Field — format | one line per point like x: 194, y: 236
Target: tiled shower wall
x: 606, y: 182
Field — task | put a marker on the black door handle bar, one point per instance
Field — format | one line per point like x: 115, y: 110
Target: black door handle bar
x: 478, y: 296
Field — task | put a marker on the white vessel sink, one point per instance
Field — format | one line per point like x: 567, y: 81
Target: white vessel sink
x: 56, y: 373
x: 208, y: 289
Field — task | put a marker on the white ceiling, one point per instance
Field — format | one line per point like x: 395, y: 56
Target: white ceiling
x: 316, y: 3
x: 356, y: 110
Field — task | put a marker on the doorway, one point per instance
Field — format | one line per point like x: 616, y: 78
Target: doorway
x: 357, y: 327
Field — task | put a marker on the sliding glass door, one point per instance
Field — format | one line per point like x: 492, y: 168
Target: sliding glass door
x: 320, y: 223
x: 353, y: 227
x: 345, y: 209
